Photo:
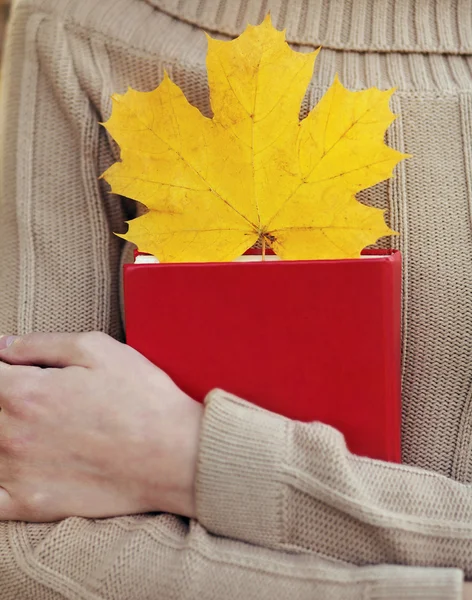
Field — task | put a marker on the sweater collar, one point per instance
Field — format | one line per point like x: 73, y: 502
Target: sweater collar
x: 438, y: 26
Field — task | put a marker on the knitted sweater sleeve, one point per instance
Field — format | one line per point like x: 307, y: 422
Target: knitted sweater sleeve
x: 295, y: 487
x: 259, y: 480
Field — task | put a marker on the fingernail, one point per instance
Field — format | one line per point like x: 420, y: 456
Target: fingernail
x: 7, y: 340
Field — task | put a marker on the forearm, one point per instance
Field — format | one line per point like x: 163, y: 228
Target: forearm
x: 101, y: 432
x: 293, y: 486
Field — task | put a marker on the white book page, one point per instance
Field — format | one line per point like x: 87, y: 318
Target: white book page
x: 146, y: 260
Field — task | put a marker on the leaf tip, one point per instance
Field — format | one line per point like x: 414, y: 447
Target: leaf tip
x: 104, y: 123
x: 116, y: 98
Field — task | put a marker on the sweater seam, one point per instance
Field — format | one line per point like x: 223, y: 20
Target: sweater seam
x: 40, y: 573
x: 248, y: 558
x: 358, y: 510
x: 245, y: 560
x: 102, y: 308
x: 26, y: 241
x: 171, y: 62
x: 90, y: 185
x: 73, y: 26
x: 275, y: 568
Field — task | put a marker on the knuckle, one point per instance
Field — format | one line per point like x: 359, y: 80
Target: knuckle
x: 98, y: 337
x: 93, y: 341
x: 33, y: 506
x: 94, y: 338
x: 26, y: 392
x: 21, y: 345
x: 29, y: 339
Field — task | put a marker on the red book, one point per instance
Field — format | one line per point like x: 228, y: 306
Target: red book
x: 311, y: 340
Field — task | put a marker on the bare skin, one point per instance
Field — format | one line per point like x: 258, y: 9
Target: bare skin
x: 98, y: 431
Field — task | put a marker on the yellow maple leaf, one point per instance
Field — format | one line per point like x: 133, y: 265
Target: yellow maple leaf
x: 254, y: 172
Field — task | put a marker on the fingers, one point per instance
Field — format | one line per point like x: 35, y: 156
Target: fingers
x: 54, y: 349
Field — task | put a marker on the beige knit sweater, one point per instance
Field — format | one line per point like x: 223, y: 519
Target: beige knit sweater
x: 284, y: 511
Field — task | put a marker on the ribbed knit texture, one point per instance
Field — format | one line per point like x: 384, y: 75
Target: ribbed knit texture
x: 439, y: 26
x: 61, y: 271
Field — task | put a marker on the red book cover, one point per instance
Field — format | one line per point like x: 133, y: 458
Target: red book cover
x: 311, y: 340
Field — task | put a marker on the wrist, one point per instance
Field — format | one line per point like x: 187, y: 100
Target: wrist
x: 182, y: 496
x: 170, y: 486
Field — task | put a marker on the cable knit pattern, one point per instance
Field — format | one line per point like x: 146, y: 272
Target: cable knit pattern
x: 323, y: 526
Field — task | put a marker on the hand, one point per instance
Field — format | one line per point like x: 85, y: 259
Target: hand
x: 467, y: 593
x: 98, y: 432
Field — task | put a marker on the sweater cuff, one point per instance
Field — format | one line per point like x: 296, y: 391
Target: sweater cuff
x: 238, y: 491
x: 240, y: 495
x: 415, y: 583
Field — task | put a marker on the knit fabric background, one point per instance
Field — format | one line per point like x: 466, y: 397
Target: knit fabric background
x: 4, y: 10
x: 60, y: 271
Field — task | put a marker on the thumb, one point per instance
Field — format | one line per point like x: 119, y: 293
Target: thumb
x: 45, y: 350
